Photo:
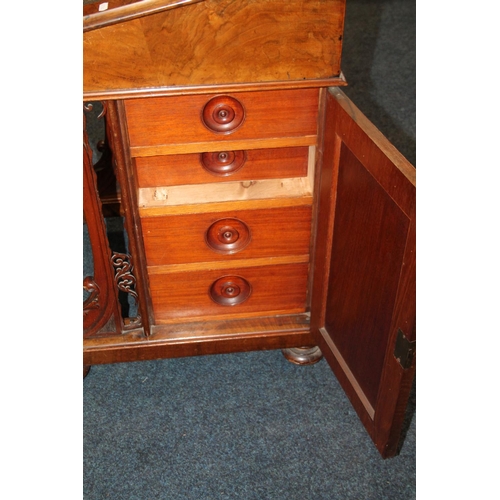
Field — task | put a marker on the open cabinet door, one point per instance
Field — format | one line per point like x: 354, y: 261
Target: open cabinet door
x: 363, y: 303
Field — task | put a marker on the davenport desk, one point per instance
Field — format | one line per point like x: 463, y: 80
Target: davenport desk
x: 262, y: 210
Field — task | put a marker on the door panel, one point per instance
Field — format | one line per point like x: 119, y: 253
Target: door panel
x: 364, y: 274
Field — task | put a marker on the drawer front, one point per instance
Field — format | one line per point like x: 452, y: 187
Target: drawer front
x: 238, y: 116
x: 239, y: 234
x: 222, y: 166
x: 252, y: 291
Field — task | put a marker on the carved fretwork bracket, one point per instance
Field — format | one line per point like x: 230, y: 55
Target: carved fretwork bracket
x: 125, y: 282
x: 124, y: 278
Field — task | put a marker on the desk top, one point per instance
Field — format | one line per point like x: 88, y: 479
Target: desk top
x: 205, y: 43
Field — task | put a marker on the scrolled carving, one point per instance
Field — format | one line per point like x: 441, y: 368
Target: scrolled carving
x: 124, y: 278
x: 223, y: 114
x: 92, y: 301
x: 230, y: 290
x: 228, y: 236
x: 88, y: 107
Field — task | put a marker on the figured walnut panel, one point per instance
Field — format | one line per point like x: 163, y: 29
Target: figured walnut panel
x: 183, y: 238
x: 173, y: 170
x: 179, y: 119
x: 217, y: 42
x: 274, y: 290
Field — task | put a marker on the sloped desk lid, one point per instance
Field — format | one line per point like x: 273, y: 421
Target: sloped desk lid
x: 133, y: 48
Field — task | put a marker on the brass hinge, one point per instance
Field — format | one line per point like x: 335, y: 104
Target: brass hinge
x: 404, y: 350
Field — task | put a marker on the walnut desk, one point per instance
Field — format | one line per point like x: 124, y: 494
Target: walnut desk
x: 262, y: 209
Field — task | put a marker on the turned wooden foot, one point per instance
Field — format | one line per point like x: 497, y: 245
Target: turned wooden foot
x: 86, y: 369
x: 303, y: 355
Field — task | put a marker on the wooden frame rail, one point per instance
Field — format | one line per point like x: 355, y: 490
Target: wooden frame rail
x: 100, y: 14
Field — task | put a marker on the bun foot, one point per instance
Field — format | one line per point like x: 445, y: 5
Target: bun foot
x: 86, y: 369
x: 303, y: 355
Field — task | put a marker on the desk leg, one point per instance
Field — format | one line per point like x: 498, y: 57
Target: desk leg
x: 303, y: 355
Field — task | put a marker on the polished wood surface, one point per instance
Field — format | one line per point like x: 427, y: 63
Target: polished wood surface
x: 229, y: 144
x: 367, y: 257
x: 124, y: 173
x: 201, y: 338
x: 217, y: 42
x: 101, y: 310
x: 174, y: 170
x: 184, y: 238
x: 99, y: 14
x: 174, y: 120
x: 263, y: 211
x: 364, y: 276
x: 277, y: 289
x: 194, y: 208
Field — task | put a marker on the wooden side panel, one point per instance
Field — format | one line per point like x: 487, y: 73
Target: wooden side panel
x: 218, y: 42
x: 264, y: 233
x: 364, y: 277
x: 174, y: 170
x: 178, y: 119
x: 101, y: 309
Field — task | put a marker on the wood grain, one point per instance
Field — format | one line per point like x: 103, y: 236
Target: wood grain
x: 101, y: 309
x: 228, y: 144
x: 173, y: 170
x: 229, y: 264
x: 201, y: 338
x: 364, y: 267
x: 193, y: 208
x: 217, y: 42
x: 367, y: 255
x: 118, y: 11
x: 181, y: 239
x: 275, y: 290
x: 165, y: 120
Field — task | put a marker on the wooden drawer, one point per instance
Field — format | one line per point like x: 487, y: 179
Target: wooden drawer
x: 207, y: 118
x: 263, y: 290
x: 239, y: 234
x: 203, y: 168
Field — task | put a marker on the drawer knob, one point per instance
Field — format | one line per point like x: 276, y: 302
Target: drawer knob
x: 230, y: 290
x: 223, y: 163
x: 223, y: 114
x: 228, y: 236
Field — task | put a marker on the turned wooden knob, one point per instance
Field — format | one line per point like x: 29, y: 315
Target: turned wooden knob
x: 230, y: 290
x: 223, y: 114
x: 223, y: 162
x: 228, y: 236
